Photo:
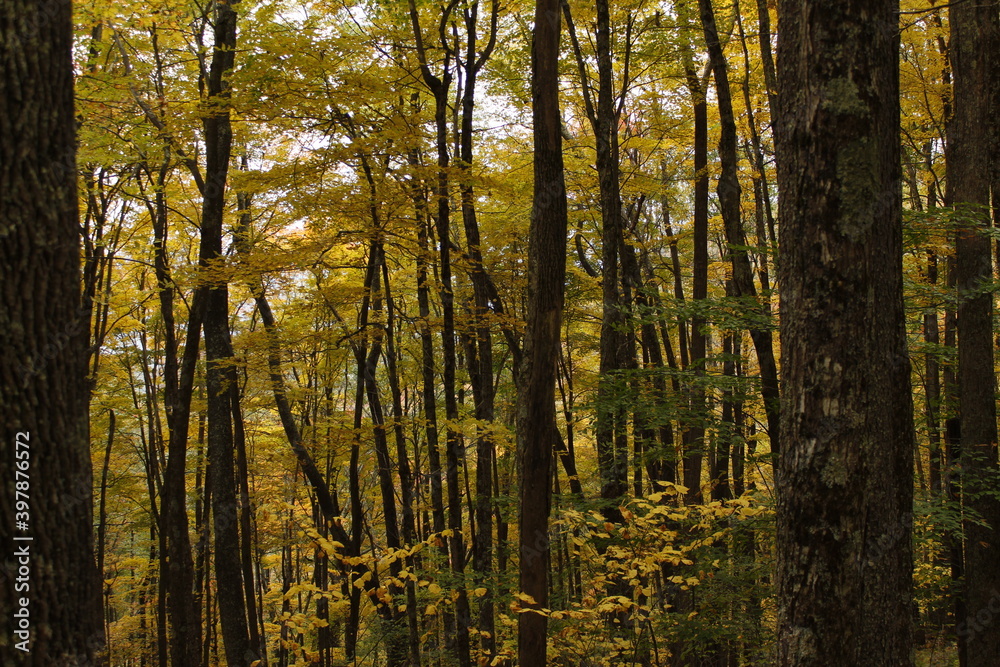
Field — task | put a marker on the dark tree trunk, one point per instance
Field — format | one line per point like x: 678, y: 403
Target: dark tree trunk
x: 767, y: 58
x: 729, y: 434
x: 52, y: 599
x: 102, y: 515
x: 409, y: 530
x: 932, y: 382
x: 658, y: 460
x: 729, y: 203
x: 971, y: 54
x: 763, y: 215
x: 610, y: 431
x: 246, y: 526
x: 454, y: 452
x: 546, y: 275
x: 845, y: 474
x: 479, y: 344
x: 694, y: 431
x: 611, y: 428
x: 219, y: 370
x: 427, y: 362
x: 178, y: 384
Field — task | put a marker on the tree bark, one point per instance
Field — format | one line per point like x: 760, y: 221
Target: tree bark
x: 546, y: 276
x: 479, y: 343
x: 46, y: 500
x: 220, y: 373
x: 610, y: 430
x: 844, y: 482
x: 178, y: 383
x: 693, y: 437
x: 968, y: 169
x: 729, y: 203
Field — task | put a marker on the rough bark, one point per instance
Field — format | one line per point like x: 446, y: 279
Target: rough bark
x: 844, y: 481
x: 44, y: 440
x: 610, y: 430
x: 971, y: 52
x: 546, y: 275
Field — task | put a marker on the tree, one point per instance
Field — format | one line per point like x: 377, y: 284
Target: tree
x: 220, y: 371
x: 51, y: 580
x: 844, y: 477
x: 729, y: 203
x: 971, y: 53
x: 546, y: 278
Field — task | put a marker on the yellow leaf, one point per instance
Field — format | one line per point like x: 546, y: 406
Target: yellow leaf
x: 524, y: 597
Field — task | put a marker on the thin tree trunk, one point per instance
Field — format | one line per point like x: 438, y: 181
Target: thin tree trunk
x: 729, y: 435
x: 479, y: 344
x: 439, y: 87
x: 219, y: 371
x: 932, y: 382
x: 546, y: 276
x: 611, y: 428
x: 178, y: 383
x: 693, y: 437
x: 729, y: 203
x: 762, y: 191
x: 367, y: 359
x: 102, y: 516
x: 246, y: 526
x: 767, y: 60
x: 405, y: 472
x: 429, y: 394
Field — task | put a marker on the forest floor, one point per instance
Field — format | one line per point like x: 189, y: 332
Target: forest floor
x: 937, y: 656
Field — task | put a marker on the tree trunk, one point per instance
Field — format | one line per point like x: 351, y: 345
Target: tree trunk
x: 845, y: 475
x: 546, y: 276
x: 971, y: 52
x: 178, y: 385
x: 729, y: 203
x: 219, y: 370
x: 409, y: 530
x: 767, y: 58
x: 53, y: 596
x: 246, y: 526
x: 479, y: 343
x: 693, y: 437
x: 610, y: 430
x: 427, y: 362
